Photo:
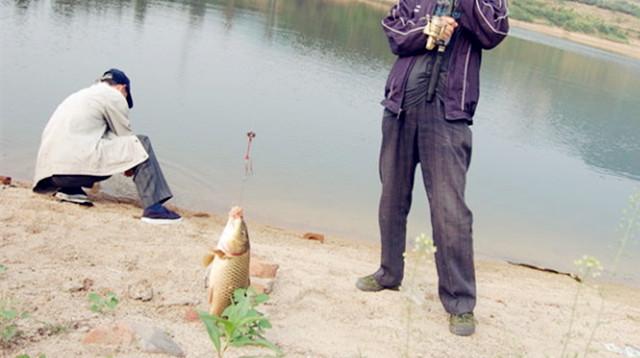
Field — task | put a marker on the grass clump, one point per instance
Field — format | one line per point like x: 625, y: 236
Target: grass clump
x: 10, y: 317
x: 102, y: 304
x: 621, y: 6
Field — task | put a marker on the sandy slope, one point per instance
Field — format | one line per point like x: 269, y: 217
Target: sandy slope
x: 315, y: 309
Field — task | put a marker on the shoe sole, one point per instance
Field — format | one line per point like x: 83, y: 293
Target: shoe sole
x: 464, y: 332
x: 74, y: 198
x: 364, y: 288
x: 160, y: 221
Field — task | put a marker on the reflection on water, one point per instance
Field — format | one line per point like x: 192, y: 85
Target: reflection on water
x: 555, y: 156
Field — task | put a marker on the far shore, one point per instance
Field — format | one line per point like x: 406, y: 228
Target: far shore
x: 632, y: 49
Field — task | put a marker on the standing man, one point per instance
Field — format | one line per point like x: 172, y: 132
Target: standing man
x: 88, y: 138
x: 433, y: 130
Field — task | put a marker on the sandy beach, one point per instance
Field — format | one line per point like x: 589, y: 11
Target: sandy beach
x: 51, y: 250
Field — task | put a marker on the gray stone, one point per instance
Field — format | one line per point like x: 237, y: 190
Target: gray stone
x: 141, y: 290
x: 154, y: 340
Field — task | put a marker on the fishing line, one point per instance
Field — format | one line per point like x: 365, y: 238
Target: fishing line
x: 248, y: 165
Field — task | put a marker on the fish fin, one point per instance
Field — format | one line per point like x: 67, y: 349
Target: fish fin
x: 209, y: 257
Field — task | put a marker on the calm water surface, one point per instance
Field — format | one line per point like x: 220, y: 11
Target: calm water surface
x: 556, y: 148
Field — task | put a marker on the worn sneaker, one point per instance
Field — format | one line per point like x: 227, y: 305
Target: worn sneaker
x: 158, y: 214
x: 370, y: 284
x: 73, y: 195
x: 462, y: 324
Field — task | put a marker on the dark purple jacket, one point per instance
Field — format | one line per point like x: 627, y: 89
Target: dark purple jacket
x: 483, y: 24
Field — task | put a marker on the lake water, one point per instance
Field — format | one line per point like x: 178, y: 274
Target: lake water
x: 556, y: 134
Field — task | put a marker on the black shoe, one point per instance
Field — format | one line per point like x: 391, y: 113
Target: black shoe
x: 158, y: 214
x: 370, y: 284
x: 462, y: 324
x: 73, y: 195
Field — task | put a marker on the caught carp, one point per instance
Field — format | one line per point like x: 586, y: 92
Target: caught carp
x: 228, y: 264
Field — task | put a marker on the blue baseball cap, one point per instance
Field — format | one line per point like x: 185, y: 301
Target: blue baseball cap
x: 120, y: 78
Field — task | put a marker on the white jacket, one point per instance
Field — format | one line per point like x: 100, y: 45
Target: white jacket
x: 89, y: 134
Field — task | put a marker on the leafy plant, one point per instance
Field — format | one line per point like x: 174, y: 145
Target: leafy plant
x: 3, y: 268
x: 40, y: 355
x: 240, y: 325
x: 100, y: 304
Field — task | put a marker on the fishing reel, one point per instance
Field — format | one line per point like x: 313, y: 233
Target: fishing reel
x: 436, y: 24
x: 434, y: 29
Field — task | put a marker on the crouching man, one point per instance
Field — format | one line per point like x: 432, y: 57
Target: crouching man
x: 88, y: 139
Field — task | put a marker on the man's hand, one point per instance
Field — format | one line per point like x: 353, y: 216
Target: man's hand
x: 449, y: 26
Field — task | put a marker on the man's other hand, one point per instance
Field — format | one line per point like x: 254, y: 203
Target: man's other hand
x: 449, y: 26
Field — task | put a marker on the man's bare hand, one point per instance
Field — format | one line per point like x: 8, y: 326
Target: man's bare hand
x: 450, y: 24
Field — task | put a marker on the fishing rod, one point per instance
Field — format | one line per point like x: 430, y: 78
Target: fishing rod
x: 434, y: 29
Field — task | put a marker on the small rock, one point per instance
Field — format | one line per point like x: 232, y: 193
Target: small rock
x: 5, y: 180
x: 154, y: 340
x: 191, y: 315
x: 262, y: 285
x: 313, y: 236
x: 150, y: 339
x: 141, y: 290
x: 201, y: 214
x: 262, y: 269
x: 87, y: 283
x: 117, y: 334
x: 72, y: 286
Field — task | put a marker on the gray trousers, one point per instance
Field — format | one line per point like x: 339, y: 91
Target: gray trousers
x: 443, y: 149
x: 150, y: 182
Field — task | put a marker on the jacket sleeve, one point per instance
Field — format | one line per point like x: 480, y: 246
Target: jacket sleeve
x: 404, y: 30
x: 486, y: 20
x: 116, y: 114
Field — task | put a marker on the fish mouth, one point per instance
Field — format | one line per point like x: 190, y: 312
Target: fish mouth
x: 236, y: 213
x: 235, y: 238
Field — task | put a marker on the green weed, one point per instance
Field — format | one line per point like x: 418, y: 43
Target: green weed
x: 100, y: 304
x: 40, y: 355
x: 421, y: 254
x: 9, y: 319
x: 3, y: 268
x: 629, y: 228
x: 590, y: 268
x: 240, y: 324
